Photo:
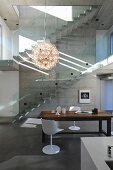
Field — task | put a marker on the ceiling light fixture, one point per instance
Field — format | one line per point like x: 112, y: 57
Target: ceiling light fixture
x: 45, y: 55
x: 23, y: 58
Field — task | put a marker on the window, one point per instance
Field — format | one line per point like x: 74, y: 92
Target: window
x: 111, y: 43
x: 0, y: 42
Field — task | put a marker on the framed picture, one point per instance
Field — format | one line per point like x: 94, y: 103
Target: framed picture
x: 84, y: 96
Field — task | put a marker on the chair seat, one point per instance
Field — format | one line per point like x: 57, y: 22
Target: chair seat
x: 74, y: 128
x: 50, y: 127
x: 59, y: 130
x: 51, y: 150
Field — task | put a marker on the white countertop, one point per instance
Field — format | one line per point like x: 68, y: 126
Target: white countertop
x: 97, y: 149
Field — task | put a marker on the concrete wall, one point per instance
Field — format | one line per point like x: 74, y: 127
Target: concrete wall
x: 65, y: 93
x: 80, y: 44
x: 9, y: 93
x: 70, y: 95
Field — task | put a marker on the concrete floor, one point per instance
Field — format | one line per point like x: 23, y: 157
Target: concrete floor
x: 21, y: 148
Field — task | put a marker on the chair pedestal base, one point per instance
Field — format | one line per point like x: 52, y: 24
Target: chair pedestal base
x: 51, y: 150
x: 74, y: 128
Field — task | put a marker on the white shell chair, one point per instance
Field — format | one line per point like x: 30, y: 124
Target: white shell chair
x: 50, y: 127
x: 77, y: 109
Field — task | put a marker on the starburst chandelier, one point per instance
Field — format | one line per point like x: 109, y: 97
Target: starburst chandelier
x: 45, y: 55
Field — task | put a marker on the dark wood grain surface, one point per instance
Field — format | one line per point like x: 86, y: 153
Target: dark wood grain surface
x: 70, y: 116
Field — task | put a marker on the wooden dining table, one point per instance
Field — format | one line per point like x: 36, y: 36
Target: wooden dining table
x: 82, y: 116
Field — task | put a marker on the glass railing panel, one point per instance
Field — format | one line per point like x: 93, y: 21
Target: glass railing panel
x: 8, y: 65
x: 77, y: 51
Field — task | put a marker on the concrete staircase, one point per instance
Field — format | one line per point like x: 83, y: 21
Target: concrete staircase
x: 45, y: 93
x: 83, y: 18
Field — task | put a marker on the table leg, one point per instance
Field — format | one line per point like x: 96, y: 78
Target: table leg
x: 109, y: 127
x: 43, y: 136
x: 100, y: 126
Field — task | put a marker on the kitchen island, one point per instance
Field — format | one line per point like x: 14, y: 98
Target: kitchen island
x: 94, y: 153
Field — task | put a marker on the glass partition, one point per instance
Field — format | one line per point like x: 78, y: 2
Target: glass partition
x: 74, y: 35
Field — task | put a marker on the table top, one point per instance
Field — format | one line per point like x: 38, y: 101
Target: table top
x: 72, y: 115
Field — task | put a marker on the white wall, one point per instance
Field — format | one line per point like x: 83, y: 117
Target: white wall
x: 15, y: 42
x: 9, y: 93
x: 6, y: 41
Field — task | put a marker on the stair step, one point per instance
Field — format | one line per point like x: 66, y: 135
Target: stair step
x: 84, y: 14
x: 77, y: 22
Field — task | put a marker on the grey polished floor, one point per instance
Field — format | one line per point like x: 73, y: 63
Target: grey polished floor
x: 21, y: 148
